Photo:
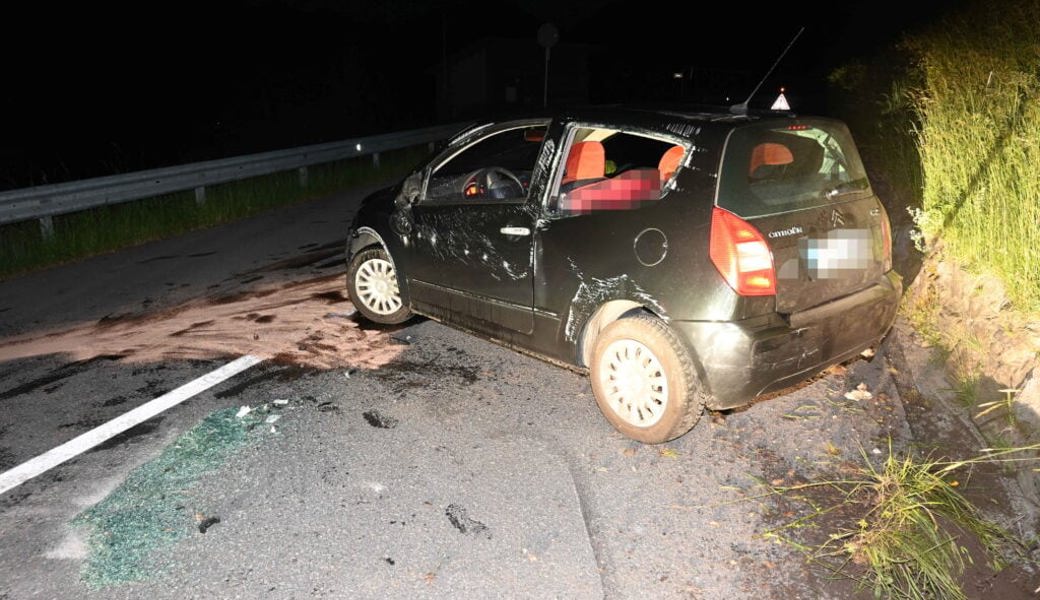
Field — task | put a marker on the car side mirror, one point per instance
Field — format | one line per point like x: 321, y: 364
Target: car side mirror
x: 410, y: 190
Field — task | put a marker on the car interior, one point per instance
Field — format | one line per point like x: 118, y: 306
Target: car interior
x: 494, y: 169
x: 607, y: 169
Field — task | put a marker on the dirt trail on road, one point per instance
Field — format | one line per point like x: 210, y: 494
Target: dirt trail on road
x: 306, y: 323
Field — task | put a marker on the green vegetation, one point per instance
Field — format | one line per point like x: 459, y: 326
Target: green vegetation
x: 151, y: 509
x: 979, y: 140
x: 950, y: 120
x: 23, y: 247
x: 1007, y: 403
x: 966, y: 391
x: 900, y: 528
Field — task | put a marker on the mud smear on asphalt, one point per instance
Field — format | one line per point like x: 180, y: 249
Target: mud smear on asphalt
x: 365, y: 325
x: 305, y: 260
x: 156, y: 259
x: 379, y: 420
x: 116, y: 401
x: 7, y: 459
x: 267, y: 373
x: 466, y: 525
x: 130, y: 435
x: 57, y: 375
x: 296, y: 323
x: 410, y: 374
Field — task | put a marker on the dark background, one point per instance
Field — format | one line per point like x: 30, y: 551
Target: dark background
x: 94, y: 89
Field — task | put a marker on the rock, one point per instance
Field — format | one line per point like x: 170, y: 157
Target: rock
x: 1014, y: 364
x: 1027, y: 404
x: 987, y: 298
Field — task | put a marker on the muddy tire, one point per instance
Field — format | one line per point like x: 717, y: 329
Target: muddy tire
x: 373, y: 290
x: 645, y: 381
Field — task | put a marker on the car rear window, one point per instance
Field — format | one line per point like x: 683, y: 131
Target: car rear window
x: 771, y: 168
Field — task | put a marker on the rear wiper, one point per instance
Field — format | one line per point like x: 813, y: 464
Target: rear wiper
x: 845, y: 187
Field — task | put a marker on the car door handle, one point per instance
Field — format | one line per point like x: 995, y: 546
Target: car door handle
x: 515, y: 231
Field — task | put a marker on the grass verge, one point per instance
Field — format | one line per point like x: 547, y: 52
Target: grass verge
x: 23, y: 247
x: 904, y: 526
x: 947, y: 123
x: 151, y: 509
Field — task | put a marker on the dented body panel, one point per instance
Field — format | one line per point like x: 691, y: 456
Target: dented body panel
x: 526, y: 271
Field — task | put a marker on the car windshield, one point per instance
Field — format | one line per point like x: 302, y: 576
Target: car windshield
x: 770, y: 168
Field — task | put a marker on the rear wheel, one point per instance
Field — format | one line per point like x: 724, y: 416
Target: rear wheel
x: 644, y: 380
x: 372, y: 287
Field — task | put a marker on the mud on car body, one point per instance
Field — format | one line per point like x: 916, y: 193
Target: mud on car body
x: 685, y: 260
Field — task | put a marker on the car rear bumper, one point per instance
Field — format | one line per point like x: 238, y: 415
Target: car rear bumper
x: 742, y: 360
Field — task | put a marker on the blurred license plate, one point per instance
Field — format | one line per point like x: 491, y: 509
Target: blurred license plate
x: 844, y: 252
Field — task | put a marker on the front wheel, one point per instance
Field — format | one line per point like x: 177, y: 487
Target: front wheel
x: 372, y: 287
x: 644, y: 380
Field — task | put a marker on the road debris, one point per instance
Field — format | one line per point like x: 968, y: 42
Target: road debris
x: 280, y: 401
x: 460, y: 520
x: 860, y: 393
x: 206, y: 522
x: 245, y: 410
x: 146, y: 512
x: 379, y: 420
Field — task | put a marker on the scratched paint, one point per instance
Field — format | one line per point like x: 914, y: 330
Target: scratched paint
x: 593, y: 292
x: 448, y: 241
x: 686, y: 130
x: 545, y: 158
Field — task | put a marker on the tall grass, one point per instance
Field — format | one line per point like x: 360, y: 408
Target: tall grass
x: 872, y: 97
x: 978, y: 107
x: 948, y: 122
x: 24, y: 248
x: 901, y: 526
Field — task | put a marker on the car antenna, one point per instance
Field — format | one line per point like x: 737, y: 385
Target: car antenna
x: 742, y: 108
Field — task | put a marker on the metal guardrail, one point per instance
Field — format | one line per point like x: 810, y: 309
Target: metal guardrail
x: 45, y: 201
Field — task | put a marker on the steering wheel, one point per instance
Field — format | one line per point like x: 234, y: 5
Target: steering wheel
x: 492, y: 182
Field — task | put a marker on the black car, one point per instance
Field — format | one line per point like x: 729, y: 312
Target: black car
x: 685, y: 259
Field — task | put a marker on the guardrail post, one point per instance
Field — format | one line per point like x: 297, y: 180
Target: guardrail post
x: 46, y: 227
x: 302, y: 172
x: 375, y: 160
x: 200, y: 195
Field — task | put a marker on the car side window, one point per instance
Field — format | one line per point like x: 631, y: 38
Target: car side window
x: 609, y: 169
x: 496, y: 168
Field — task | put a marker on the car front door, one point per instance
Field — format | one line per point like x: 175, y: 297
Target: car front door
x: 469, y: 248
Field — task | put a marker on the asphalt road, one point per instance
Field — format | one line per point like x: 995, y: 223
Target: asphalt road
x: 443, y: 466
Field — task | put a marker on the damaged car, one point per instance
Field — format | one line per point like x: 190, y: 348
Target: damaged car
x: 684, y: 260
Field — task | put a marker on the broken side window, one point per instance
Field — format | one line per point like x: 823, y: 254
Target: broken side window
x: 496, y: 168
x: 609, y: 169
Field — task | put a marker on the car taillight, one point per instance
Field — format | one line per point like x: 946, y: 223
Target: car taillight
x: 741, y: 255
x: 886, y: 236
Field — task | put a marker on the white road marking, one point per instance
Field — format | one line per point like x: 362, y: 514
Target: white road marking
x: 80, y: 444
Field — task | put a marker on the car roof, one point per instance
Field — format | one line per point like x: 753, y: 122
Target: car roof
x: 683, y: 120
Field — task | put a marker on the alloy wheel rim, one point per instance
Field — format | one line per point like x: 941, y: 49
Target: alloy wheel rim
x: 376, y: 286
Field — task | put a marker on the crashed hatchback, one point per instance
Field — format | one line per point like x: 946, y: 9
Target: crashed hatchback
x: 686, y: 260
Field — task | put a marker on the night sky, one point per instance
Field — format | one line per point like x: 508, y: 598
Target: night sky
x: 93, y: 89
